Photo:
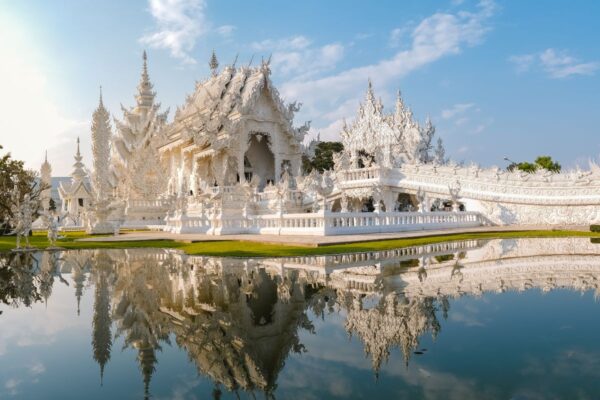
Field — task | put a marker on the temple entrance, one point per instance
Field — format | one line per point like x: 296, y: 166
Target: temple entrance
x: 406, y: 202
x: 259, y: 160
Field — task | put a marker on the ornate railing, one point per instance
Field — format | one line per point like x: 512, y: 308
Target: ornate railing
x: 325, y: 223
x: 361, y: 174
x: 158, y: 203
x: 330, y: 223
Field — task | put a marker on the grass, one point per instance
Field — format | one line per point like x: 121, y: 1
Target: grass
x: 230, y: 248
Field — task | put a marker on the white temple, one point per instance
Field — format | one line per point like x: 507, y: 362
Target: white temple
x: 230, y: 162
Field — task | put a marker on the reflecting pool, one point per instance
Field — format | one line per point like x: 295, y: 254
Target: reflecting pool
x: 498, y: 319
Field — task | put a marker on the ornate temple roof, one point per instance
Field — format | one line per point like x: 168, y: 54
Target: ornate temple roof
x: 220, y: 102
x: 141, y: 123
x: 373, y: 130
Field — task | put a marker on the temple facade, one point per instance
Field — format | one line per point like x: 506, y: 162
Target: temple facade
x: 233, y: 129
x: 230, y: 161
x: 76, y: 195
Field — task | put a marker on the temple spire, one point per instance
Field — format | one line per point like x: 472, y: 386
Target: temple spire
x: 78, y: 168
x: 370, y: 97
x: 145, y: 96
x: 213, y: 63
x: 101, y: 136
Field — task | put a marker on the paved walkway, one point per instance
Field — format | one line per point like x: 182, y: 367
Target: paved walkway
x: 315, y: 241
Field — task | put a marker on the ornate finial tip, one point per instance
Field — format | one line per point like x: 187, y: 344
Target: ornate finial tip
x: 214, y: 62
x: 144, y: 56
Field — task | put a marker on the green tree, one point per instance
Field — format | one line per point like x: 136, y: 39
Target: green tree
x: 323, y: 159
x: 13, y: 172
x: 52, y: 205
x: 542, y: 162
x: 546, y: 163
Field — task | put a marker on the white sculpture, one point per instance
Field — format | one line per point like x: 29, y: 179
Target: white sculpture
x: 22, y: 216
x: 52, y: 230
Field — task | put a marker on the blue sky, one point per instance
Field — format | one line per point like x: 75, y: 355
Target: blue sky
x: 498, y: 78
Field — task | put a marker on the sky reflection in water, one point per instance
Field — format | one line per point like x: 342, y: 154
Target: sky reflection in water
x: 501, y: 319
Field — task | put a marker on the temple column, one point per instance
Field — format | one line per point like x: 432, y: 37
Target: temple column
x: 277, y: 161
x: 388, y: 200
x: 241, y: 168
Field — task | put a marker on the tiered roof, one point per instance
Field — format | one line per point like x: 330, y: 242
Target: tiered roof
x: 374, y: 131
x: 220, y: 102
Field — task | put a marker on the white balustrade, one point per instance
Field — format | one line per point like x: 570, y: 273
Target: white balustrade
x: 330, y: 223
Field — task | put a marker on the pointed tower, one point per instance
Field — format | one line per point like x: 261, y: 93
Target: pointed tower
x: 213, y: 63
x: 46, y: 180
x: 78, y: 174
x: 399, y: 118
x: 101, y: 136
x: 145, y: 95
x: 136, y: 170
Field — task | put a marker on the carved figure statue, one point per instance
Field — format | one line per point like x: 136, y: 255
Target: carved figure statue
x: 23, y: 217
x: 421, y: 199
x: 52, y: 230
x: 454, y: 191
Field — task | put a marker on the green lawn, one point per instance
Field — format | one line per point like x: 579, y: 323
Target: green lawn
x: 253, y: 249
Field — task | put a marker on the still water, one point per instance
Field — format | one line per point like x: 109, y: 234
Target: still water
x: 500, y: 319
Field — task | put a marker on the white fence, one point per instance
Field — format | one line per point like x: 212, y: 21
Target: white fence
x: 327, y: 223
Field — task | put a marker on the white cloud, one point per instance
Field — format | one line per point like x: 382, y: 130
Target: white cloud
x: 560, y: 65
x: 37, y: 368
x: 556, y: 63
x: 397, y: 35
x: 523, y: 62
x: 437, y: 36
x: 225, y: 30
x: 298, y: 42
x: 456, y: 110
x: 11, y: 386
x: 179, y: 23
x: 295, y: 56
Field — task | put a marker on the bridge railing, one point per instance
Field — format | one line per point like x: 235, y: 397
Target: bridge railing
x: 330, y: 223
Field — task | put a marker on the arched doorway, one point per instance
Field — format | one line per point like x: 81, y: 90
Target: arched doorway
x: 259, y: 160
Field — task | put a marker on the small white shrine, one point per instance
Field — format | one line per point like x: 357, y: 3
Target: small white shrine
x: 76, y: 195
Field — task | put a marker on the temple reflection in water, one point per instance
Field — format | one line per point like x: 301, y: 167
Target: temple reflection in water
x: 239, y: 320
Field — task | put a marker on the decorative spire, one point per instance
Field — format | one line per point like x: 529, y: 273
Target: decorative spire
x: 213, y: 63
x: 145, y: 96
x: 100, y: 102
x: 78, y: 168
x: 101, y: 137
x: 370, y: 97
x: 46, y: 170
